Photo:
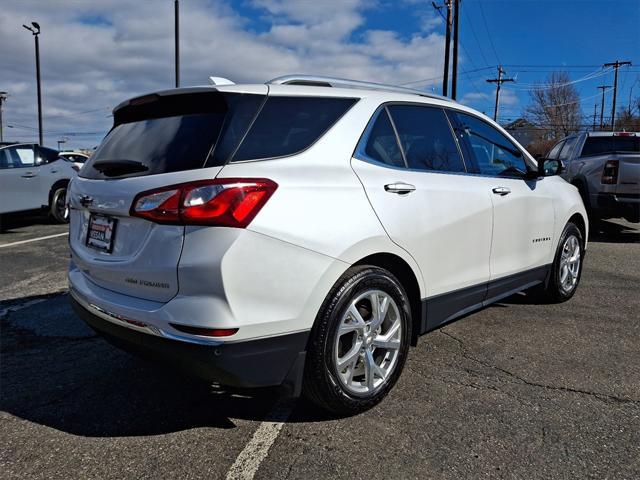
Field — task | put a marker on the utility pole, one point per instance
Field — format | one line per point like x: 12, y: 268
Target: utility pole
x: 447, y: 45
x: 603, y: 88
x: 595, y: 114
x: 617, y: 64
x: 3, y: 98
x: 177, y: 40
x: 35, y: 30
x: 454, y: 76
x: 499, y: 81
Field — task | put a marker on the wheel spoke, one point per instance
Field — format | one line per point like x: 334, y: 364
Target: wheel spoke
x: 371, y: 369
x: 356, y: 319
x: 350, y: 357
x: 564, y: 271
x: 386, y: 343
x: 375, y: 310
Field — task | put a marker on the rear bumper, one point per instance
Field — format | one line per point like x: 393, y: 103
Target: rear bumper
x: 611, y: 205
x: 262, y: 362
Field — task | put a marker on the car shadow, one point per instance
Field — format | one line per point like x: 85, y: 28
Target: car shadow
x: 13, y: 221
x: 57, y: 372
x: 604, y: 231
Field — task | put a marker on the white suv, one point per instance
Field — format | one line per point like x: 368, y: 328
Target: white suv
x: 304, y: 232
x: 34, y: 177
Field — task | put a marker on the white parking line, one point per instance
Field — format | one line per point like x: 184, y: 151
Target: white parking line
x: 250, y: 458
x: 21, y: 242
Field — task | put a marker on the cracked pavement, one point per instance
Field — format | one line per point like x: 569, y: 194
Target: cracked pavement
x: 517, y: 390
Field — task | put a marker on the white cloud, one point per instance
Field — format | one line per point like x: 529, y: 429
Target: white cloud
x: 96, y: 54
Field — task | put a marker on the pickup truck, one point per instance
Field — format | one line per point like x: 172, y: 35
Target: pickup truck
x: 605, y: 168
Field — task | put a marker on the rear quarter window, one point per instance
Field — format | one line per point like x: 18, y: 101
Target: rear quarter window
x: 287, y: 125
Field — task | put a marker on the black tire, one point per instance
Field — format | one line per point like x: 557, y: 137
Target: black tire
x: 553, y: 290
x: 321, y: 384
x: 57, y: 208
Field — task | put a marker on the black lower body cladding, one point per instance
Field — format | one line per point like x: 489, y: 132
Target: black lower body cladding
x: 257, y: 363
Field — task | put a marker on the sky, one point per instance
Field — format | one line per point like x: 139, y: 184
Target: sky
x: 95, y: 54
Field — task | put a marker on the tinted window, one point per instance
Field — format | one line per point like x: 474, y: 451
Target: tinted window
x: 426, y: 138
x: 604, y: 145
x: 565, y: 153
x: 553, y: 154
x: 287, y: 125
x: 17, y: 157
x: 48, y: 155
x: 175, y: 133
x: 382, y: 145
x: 495, y: 154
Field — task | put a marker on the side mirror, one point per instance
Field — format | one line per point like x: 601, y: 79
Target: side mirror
x: 547, y: 167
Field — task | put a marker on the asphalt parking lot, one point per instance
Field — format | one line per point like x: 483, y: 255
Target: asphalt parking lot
x: 517, y: 390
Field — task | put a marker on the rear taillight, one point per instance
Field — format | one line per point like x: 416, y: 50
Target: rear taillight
x: 225, y: 202
x: 610, y: 172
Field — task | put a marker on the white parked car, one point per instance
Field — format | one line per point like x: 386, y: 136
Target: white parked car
x: 304, y: 232
x: 77, y: 158
x: 34, y: 177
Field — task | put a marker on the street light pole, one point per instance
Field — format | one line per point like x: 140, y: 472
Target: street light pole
x: 3, y: 98
x: 35, y: 30
x: 177, y: 40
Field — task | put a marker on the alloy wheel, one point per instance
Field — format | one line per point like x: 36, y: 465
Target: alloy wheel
x: 569, y: 264
x: 368, y: 342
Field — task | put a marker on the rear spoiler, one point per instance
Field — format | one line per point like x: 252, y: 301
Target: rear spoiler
x: 175, y: 101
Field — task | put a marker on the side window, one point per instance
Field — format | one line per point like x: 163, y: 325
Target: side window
x: 426, y: 138
x: 382, y: 145
x: 565, y: 153
x: 553, y: 153
x: 288, y: 125
x: 19, y: 157
x: 495, y: 154
x: 47, y: 155
x: 4, y: 159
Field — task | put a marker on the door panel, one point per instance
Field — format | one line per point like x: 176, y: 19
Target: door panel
x: 20, y: 179
x: 445, y: 223
x: 523, y: 226
x: 523, y: 210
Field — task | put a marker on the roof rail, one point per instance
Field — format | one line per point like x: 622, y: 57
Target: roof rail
x: 320, y: 81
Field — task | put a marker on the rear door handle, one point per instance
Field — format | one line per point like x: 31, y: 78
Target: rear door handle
x: 502, y: 191
x: 399, y: 188
x: 28, y: 175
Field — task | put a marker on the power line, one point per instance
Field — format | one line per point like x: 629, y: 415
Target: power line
x: 426, y: 80
x: 484, y: 19
x: 540, y: 86
x: 473, y: 31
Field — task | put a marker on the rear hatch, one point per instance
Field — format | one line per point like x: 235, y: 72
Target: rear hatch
x: 157, y: 141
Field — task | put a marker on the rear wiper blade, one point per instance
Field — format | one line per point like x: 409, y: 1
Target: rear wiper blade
x: 114, y: 168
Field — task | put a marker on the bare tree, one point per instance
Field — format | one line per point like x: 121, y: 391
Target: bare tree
x: 555, y: 106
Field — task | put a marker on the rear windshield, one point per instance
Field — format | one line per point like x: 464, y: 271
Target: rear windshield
x: 604, y: 145
x: 174, y: 133
x: 288, y: 125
